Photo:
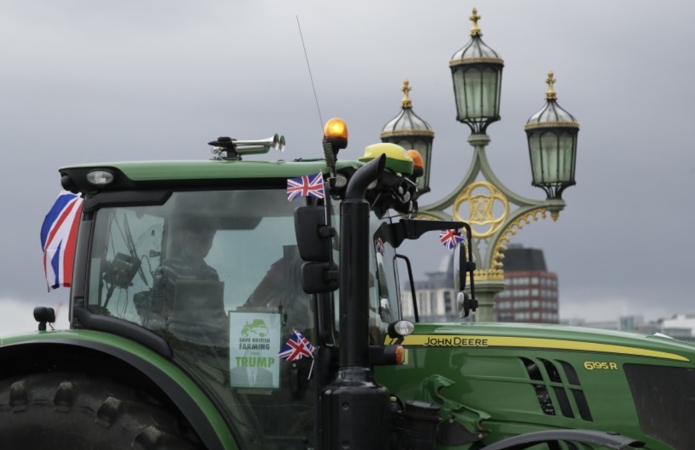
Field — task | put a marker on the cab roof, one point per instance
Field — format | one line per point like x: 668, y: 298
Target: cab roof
x: 211, y: 169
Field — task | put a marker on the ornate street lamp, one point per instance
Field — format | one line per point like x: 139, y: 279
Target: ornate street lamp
x: 476, y: 70
x: 552, y: 144
x: 409, y: 131
x: 481, y: 199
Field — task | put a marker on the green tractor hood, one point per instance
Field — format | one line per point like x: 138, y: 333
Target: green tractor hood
x: 497, y: 380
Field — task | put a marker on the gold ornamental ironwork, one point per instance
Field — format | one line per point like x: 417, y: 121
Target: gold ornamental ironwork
x: 481, y: 198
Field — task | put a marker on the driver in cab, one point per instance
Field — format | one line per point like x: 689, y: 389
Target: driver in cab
x: 185, y: 281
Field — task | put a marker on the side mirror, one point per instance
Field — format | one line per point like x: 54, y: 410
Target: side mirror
x: 43, y: 315
x: 462, y: 266
x: 319, y: 272
x: 313, y: 235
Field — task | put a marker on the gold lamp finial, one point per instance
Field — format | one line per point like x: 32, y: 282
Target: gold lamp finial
x: 406, y: 103
x: 550, y: 95
x: 475, y: 31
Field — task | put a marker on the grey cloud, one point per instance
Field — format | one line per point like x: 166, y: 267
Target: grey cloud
x: 85, y: 81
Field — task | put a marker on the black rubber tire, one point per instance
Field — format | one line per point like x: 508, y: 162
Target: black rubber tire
x: 68, y: 411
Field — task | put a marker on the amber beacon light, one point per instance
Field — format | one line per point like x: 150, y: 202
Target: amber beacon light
x: 336, y: 133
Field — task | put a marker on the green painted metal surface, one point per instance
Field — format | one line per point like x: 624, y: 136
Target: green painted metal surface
x: 216, y: 169
x: 492, y: 377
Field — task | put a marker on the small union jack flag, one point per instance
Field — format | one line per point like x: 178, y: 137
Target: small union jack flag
x: 306, y: 343
x: 296, y: 347
x: 450, y: 238
x: 379, y: 245
x: 305, y: 186
x: 58, y: 238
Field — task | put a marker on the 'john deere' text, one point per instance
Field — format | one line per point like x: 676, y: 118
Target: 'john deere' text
x: 455, y: 342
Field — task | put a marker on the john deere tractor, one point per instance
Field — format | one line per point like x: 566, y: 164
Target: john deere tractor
x: 299, y: 342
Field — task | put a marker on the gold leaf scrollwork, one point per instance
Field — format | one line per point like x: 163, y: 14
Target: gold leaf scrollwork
x: 510, y: 230
x: 489, y: 275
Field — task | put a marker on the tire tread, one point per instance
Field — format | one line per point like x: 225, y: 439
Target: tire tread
x: 73, y: 411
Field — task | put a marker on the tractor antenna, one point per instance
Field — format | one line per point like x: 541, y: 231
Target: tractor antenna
x: 313, y: 87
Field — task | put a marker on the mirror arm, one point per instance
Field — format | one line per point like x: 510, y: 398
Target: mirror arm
x: 396, y: 233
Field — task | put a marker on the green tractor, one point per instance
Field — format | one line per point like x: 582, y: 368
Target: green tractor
x: 285, y: 332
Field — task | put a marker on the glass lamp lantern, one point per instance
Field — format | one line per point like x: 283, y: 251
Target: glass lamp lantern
x: 552, y: 141
x: 476, y: 70
x: 409, y: 131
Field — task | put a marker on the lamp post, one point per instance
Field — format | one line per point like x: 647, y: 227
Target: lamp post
x: 494, y: 211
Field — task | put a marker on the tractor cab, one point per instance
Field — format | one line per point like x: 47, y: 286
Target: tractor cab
x: 206, y: 265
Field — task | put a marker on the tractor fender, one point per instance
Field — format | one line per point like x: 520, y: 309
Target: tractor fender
x: 82, y: 350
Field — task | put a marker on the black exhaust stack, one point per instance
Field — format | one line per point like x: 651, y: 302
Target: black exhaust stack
x: 356, y: 408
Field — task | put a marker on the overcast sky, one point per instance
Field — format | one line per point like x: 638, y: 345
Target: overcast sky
x: 86, y: 81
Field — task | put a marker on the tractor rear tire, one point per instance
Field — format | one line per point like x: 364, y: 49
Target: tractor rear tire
x: 70, y: 411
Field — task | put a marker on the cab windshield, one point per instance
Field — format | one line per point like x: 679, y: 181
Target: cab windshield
x: 217, y: 275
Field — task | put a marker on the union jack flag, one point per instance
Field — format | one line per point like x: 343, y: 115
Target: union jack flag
x: 305, y: 186
x: 58, y: 236
x: 450, y: 238
x: 296, y: 347
x: 379, y: 245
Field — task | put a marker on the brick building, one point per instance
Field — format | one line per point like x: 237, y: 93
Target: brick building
x: 531, y: 293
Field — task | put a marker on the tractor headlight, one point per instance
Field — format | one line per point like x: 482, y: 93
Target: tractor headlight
x: 100, y: 177
x: 401, y: 328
